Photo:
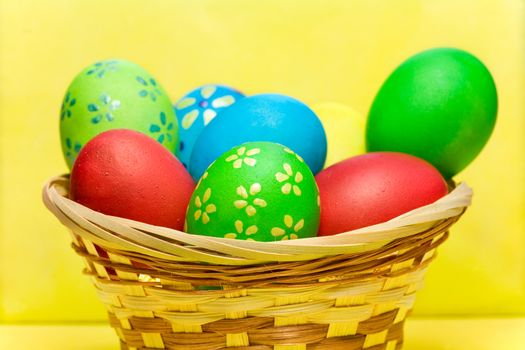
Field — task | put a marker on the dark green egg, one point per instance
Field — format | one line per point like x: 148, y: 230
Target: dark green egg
x: 439, y: 105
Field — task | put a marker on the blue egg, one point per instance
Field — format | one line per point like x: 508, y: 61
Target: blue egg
x: 195, y: 110
x: 265, y: 117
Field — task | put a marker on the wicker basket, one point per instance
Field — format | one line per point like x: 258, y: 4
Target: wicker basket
x: 165, y: 289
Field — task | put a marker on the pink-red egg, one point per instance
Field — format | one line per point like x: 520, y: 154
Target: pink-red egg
x: 374, y: 188
x: 128, y: 174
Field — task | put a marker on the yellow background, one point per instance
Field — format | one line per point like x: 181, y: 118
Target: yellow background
x: 317, y: 51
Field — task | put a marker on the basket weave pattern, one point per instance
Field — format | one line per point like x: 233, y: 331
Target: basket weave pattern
x: 165, y: 289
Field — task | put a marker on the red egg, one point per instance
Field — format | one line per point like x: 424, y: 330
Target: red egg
x: 128, y: 174
x: 373, y: 188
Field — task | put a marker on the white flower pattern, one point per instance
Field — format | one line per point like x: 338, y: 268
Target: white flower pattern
x: 205, y: 101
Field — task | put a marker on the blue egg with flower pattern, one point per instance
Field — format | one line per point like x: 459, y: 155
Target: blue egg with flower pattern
x: 115, y: 94
x: 265, y: 117
x: 196, y: 110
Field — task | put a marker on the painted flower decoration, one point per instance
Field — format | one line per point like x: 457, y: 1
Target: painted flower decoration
x: 206, y: 103
x: 247, y: 201
x: 204, y: 210
x: 287, y: 150
x: 239, y: 228
x: 72, y: 150
x: 290, y: 181
x: 243, y: 156
x: 149, y: 88
x: 68, y: 103
x: 103, y: 109
x: 99, y: 69
x: 204, y: 176
x: 290, y: 231
x: 164, y: 131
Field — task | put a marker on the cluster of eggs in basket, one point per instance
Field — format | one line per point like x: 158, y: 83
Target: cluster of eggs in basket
x: 267, y: 167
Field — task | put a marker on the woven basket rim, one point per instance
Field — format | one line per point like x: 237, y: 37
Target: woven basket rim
x: 116, y: 233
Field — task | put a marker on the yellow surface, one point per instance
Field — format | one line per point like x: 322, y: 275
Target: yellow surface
x: 345, y: 131
x: 420, y: 334
x: 338, y: 50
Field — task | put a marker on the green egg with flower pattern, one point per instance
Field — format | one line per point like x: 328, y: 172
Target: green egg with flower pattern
x: 115, y: 94
x: 259, y: 191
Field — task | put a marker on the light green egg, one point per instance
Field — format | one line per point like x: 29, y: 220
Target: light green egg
x: 115, y: 94
x: 258, y: 191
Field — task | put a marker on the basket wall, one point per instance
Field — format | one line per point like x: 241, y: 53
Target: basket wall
x: 151, y: 309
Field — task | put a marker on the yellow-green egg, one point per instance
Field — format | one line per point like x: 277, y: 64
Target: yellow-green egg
x: 345, y: 131
x: 260, y: 191
x: 115, y: 94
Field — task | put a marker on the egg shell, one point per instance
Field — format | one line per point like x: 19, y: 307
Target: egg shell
x: 439, y: 105
x: 196, y: 110
x: 115, y: 94
x: 258, y: 191
x: 265, y: 117
x: 128, y: 174
x: 373, y: 188
x: 345, y: 131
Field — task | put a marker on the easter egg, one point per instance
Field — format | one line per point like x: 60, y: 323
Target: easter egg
x: 439, y: 105
x: 259, y: 191
x: 345, y: 130
x: 375, y: 187
x: 265, y: 117
x: 128, y: 174
x: 115, y: 94
x: 196, y: 110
